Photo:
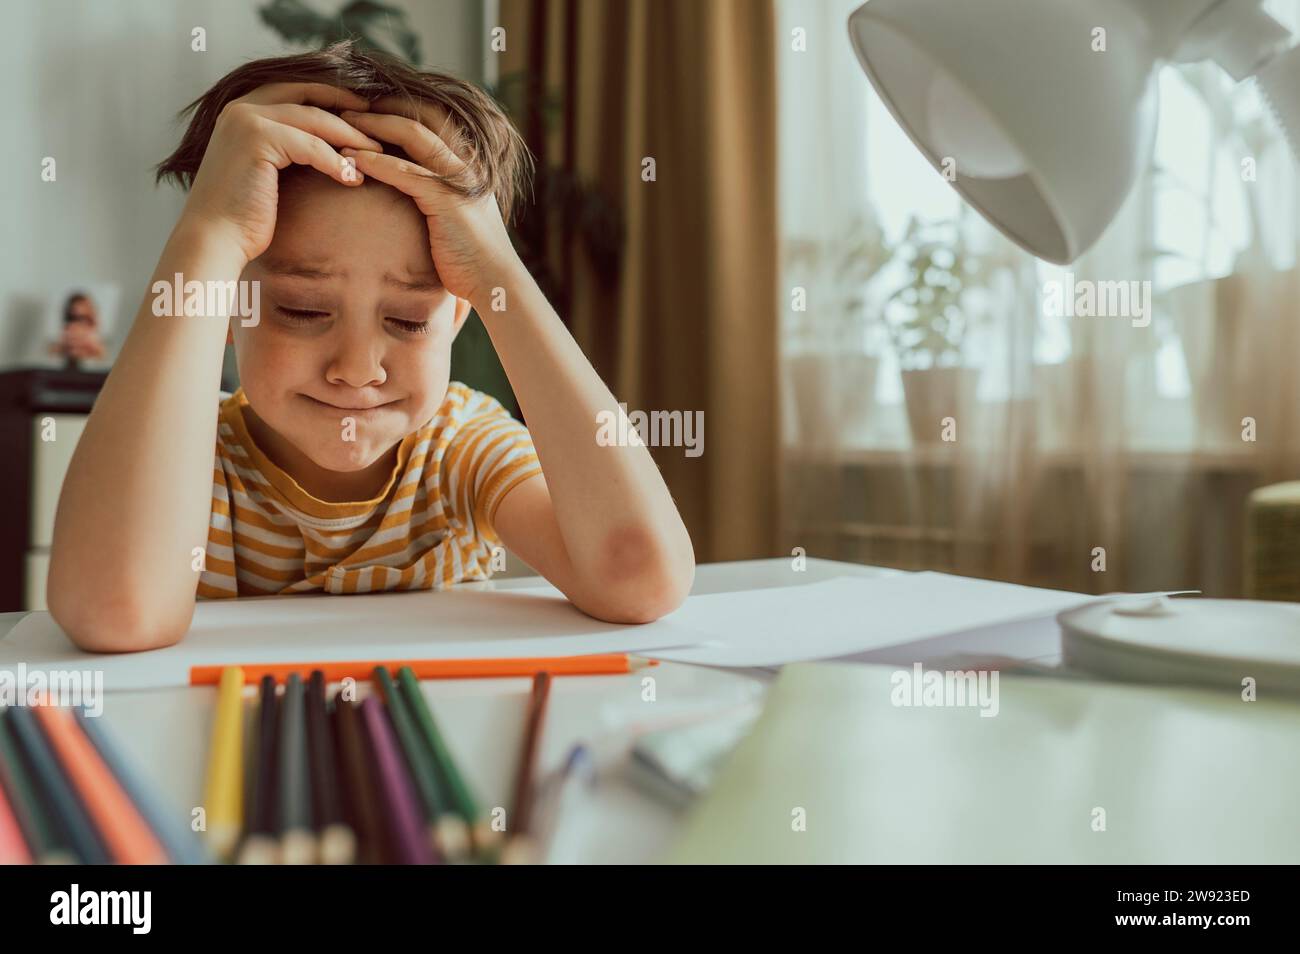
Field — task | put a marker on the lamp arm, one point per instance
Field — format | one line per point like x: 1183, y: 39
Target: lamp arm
x: 1243, y: 39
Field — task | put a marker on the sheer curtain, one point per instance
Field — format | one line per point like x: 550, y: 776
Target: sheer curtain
x: 939, y: 412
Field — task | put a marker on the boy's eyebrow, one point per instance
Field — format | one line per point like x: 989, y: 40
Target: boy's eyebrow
x: 297, y: 271
x: 415, y: 283
x: 421, y: 283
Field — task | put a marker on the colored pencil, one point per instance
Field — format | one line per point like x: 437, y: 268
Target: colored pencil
x: 224, y: 796
x: 13, y: 846
x: 297, y: 840
x: 44, y: 839
x: 259, y: 843
x: 408, y: 687
x: 125, y: 833
x: 337, y: 844
x: 177, y: 839
x: 601, y: 664
x: 578, y: 771
x: 360, y: 798
x: 447, y: 828
x: 520, y: 844
x: 69, y: 814
x: 396, y: 789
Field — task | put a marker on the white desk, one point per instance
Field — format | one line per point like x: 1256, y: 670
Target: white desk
x: 165, y: 732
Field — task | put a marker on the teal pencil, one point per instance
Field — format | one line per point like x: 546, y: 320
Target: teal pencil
x: 180, y: 842
x: 448, y: 830
x: 69, y: 814
x: 44, y: 838
x: 297, y: 840
x: 453, y: 783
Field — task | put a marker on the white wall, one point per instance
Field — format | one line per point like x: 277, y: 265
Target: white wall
x: 96, y: 84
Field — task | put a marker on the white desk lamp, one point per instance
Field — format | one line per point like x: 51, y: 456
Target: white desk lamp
x: 1039, y: 120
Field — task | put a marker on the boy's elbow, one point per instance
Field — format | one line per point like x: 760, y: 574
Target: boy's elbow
x: 641, y: 583
x: 122, y: 623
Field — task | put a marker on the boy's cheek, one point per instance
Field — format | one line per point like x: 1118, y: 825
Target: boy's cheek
x: 264, y: 355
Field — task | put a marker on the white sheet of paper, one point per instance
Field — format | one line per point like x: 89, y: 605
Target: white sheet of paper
x: 849, y: 615
x: 451, y: 624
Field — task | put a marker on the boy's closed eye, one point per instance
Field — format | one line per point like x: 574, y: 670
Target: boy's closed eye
x: 316, y: 317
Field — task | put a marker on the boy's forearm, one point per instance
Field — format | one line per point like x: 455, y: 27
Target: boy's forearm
x: 137, y: 497
x: 614, y: 510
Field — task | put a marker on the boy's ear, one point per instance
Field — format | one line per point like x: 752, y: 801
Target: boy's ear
x: 462, y: 312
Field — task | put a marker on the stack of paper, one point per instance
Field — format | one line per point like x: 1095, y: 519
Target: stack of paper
x: 455, y: 624
x: 750, y: 628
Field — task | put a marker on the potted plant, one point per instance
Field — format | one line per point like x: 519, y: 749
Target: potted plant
x: 929, y: 318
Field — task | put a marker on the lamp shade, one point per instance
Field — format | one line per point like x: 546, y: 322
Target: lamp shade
x: 1038, y: 128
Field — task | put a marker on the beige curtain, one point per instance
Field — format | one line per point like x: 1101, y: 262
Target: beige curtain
x: 689, y: 322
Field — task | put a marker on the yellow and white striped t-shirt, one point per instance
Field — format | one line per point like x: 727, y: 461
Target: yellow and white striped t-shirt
x: 430, y: 527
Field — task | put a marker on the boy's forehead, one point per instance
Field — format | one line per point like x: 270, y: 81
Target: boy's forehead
x: 419, y: 279
x: 320, y: 221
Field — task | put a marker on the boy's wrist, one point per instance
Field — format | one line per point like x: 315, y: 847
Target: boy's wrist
x: 204, y: 244
x: 500, y: 286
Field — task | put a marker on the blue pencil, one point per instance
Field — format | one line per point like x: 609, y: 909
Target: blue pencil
x: 69, y: 814
x: 181, y: 844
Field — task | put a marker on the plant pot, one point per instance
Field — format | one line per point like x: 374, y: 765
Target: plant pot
x: 933, y: 394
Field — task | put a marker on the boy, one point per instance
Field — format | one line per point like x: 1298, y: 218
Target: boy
x: 361, y: 204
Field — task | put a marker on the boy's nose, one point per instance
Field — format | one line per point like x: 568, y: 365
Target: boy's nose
x: 358, y: 363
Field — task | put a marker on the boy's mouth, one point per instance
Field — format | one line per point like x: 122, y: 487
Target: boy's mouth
x: 348, y: 408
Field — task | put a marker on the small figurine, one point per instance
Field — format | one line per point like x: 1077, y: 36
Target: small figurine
x: 80, y: 339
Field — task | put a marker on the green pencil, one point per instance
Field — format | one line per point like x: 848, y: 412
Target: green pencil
x: 454, y: 783
x: 448, y: 829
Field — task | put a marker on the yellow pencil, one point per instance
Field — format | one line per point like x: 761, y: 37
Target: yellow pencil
x: 224, y: 796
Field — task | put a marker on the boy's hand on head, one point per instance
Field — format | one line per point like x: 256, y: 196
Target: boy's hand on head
x: 468, y: 240
x: 236, y: 189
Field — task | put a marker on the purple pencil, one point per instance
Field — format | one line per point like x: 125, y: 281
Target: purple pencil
x: 396, y: 791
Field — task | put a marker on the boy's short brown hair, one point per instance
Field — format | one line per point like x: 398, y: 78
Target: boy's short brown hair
x: 498, y: 159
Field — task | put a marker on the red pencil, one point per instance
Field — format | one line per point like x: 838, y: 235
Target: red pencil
x: 13, y: 849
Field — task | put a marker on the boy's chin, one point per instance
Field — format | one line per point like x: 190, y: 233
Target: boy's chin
x: 351, y: 459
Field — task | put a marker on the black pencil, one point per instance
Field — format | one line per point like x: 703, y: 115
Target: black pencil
x: 336, y: 841
x: 259, y: 841
x: 519, y: 846
x: 360, y: 800
x: 294, y: 828
x: 69, y: 814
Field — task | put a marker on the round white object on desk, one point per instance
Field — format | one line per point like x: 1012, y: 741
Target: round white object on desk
x: 1186, y: 641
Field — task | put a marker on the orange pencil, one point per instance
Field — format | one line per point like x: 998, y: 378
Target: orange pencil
x: 129, y: 839
x: 13, y: 848
x: 602, y: 664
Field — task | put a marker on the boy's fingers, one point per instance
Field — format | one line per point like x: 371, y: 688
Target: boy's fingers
x: 320, y: 123
x: 307, y: 150
x: 402, y: 174
x: 428, y: 114
x: 422, y: 111
x: 416, y: 140
x: 307, y: 94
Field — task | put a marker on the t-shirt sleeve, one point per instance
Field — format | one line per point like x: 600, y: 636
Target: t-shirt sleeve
x: 490, y: 454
